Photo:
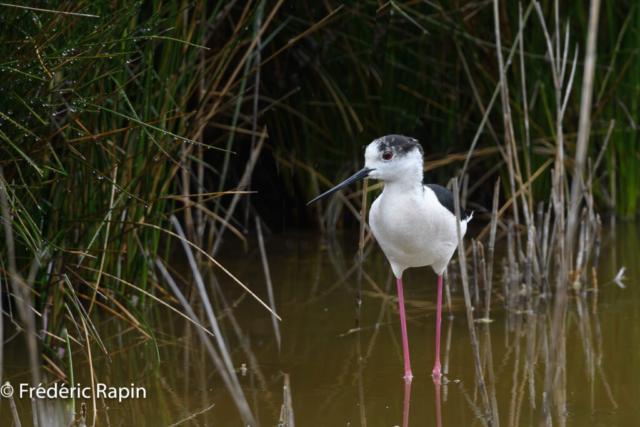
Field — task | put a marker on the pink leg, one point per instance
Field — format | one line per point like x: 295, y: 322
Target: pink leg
x: 405, y: 342
x: 436, y: 368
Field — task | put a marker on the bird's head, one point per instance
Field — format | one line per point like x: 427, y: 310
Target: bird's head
x: 391, y: 158
x: 395, y: 158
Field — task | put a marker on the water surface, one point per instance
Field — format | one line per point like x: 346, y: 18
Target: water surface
x: 327, y: 374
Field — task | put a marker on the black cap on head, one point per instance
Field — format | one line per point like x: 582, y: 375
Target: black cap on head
x: 399, y: 144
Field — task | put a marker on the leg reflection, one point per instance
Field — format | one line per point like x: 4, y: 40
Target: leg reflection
x: 438, y: 383
x: 407, y: 398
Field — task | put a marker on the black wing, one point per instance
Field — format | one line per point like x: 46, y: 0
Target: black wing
x: 445, y: 197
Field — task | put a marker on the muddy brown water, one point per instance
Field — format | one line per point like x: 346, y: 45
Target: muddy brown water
x: 337, y: 377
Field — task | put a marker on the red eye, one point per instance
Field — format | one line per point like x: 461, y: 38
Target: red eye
x: 387, y: 155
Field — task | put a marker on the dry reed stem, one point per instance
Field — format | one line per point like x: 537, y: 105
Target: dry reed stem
x: 494, y: 96
x: 512, y: 282
x: 288, y: 404
x: 244, y: 181
x: 83, y: 313
x: 59, y: 12
x: 93, y: 386
x: 447, y: 351
x: 153, y: 297
x: 184, y: 240
x: 528, y: 264
x: 14, y: 410
x: 569, y: 84
x: 339, y: 194
x: 558, y: 178
x: 60, y: 339
x: 363, y: 217
x: 492, y: 244
x: 267, y: 277
x: 447, y: 290
x: 192, y: 416
x: 20, y: 288
x: 206, y: 302
x: 510, y: 200
x: 34, y: 412
x: 230, y: 80
x: 118, y: 315
x: 545, y: 239
x: 467, y: 300
x: 525, y: 106
x: 258, y: 57
x: 580, y: 256
x: 482, y: 272
x: 243, y: 338
x: 506, y: 110
x: 227, y: 377
x: 488, y: 174
x: 483, y: 111
x: 363, y: 413
x: 575, y: 197
x: 602, y: 150
x: 596, y: 252
x: 106, y: 238
x: 539, y: 222
x: 476, y: 273
x: 316, y: 189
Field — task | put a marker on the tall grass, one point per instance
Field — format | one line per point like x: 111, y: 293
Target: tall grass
x: 113, y: 117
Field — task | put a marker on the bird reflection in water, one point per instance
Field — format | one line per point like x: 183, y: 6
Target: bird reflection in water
x: 437, y: 382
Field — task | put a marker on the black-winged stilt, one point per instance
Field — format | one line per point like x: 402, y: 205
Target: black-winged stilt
x: 414, y: 223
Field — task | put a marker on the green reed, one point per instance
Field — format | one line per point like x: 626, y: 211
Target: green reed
x: 107, y: 118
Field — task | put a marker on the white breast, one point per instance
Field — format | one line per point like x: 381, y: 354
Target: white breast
x: 414, y: 229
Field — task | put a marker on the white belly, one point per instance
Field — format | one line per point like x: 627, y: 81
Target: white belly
x: 414, y: 230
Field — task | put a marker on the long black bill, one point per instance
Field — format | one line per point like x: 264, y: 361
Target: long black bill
x: 364, y: 172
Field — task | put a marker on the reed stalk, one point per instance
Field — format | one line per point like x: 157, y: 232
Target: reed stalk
x: 363, y: 216
x: 512, y: 159
x: 228, y: 376
x: 575, y: 198
x: 91, y: 371
x: 34, y: 412
x: 267, y: 277
x: 467, y: 300
x: 14, y: 411
x: 492, y: 244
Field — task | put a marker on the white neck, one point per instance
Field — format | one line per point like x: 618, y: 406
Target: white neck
x: 409, y: 181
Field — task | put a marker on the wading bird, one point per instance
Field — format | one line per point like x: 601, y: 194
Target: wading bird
x: 414, y: 223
